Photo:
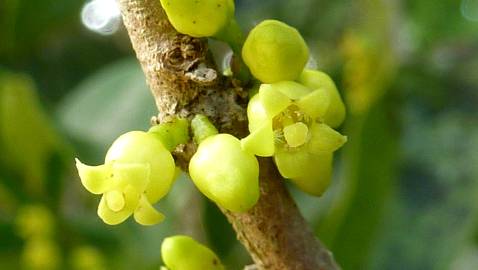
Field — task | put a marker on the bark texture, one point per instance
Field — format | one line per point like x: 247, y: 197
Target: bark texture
x: 184, y: 82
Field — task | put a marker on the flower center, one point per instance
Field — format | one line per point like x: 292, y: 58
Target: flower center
x: 296, y: 134
x: 291, y: 127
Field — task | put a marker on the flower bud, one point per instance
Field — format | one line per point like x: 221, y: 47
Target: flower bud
x: 199, y: 18
x: 184, y: 253
x: 275, y: 51
x: 225, y: 173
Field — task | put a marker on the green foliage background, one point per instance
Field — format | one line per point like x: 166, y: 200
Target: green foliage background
x: 405, y: 189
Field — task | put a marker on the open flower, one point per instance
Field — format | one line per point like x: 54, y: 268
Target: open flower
x: 138, y: 171
x: 286, y: 120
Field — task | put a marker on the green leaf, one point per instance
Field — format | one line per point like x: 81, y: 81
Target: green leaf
x: 351, y: 226
x: 25, y: 23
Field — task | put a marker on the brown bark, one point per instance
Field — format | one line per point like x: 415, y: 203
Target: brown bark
x: 184, y: 82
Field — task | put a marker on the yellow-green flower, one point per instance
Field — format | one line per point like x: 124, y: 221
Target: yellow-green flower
x: 138, y: 171
x: 286, y: 120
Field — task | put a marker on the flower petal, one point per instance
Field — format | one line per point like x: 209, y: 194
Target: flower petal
x: 111, y: 217
x: 146, y: 214
x: 315, y: 79
x: 291, y: 89
x: 291, y: 164
x: 260, y: 142
x: 131, y: 197
x: 317, y: 176
x: 96, y: 179
x: 315, y: 104
x: 256, y: 114
x: 324, y: 139
x: 273, y: 100
x: 134, y: 174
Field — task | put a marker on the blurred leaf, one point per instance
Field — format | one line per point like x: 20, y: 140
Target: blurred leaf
x: 370, y: 55
x: 437, y: 21
x: 24, y: 23
x: 26, y: 134
x: 369, y: 160
x: 8, y: 9
x: 370, y: 155
x: 369, y: 67
x: 8, y: 202
x: 10, y: 247
x: 111, y: 102
x: 467, y: 259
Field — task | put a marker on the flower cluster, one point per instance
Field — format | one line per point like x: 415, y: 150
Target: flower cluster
x: 294, y: 112
x: 292, y: 118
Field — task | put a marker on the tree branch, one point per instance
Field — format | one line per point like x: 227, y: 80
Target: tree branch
x: 184, y: 82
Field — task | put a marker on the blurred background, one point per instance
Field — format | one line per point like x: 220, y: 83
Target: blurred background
x: 405, y: 188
